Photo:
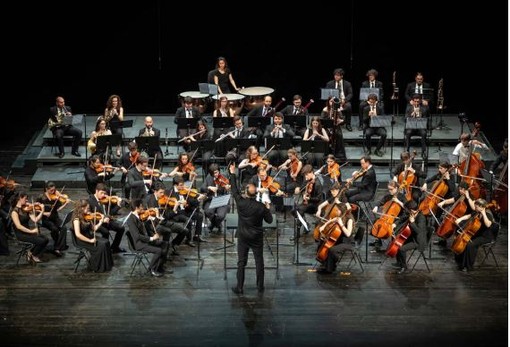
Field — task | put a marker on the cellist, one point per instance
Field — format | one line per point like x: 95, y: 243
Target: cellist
x: 485, y: 234
x: 405, y: 169
x: 443, y: 174
x: 462, y: 148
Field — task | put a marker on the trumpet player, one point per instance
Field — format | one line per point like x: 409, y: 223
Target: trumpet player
x: 373, y: 109
x: 416, y: 110
x: 150, y: 131
x: 278, y: 130
x: 372, y: 83
x: 345, y: 95
x: 421, y: 88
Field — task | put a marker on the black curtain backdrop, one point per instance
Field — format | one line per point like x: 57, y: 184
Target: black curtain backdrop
x: 86, y: 51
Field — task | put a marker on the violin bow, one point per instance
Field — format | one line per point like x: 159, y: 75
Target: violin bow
x: 55, y: 203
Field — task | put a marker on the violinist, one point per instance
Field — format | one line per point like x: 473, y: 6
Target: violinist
x: 404, y: 170
x: 215, y: 184
x: 315, y: 133
x: 144, y: 242
x: 395, y: 196
x: 250, y: 164
x: 96, y: 205
x: 187, y: 206
x: 266, y: 186
x: 418, y: 239
x: 127, y: 161
x: 150, y: 131
x: 94, y: 175
x: 25, y: 226
x: 293, y: 166
x: 163, y: 223
x: 184, y: 169
x: 486, y: 233
x: 312, y: 196
x: 137, y: 184
x: 101, y: 259
x: 53, y: 203
x: 331, y: 171
x: 278, y: 130
x: 365, y: 189
x: 462, y: 149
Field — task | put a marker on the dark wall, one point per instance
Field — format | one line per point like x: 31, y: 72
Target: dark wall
x: 92, y: 50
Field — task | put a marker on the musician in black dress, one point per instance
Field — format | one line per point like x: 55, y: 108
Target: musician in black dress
x: 84, y: 229
x: 223, y: 77
x: 316, y: 133
x: 345, y: 91
x: 113, y: 115
x: 249, y: 231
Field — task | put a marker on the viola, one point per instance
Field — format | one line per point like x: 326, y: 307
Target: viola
x: 383, y: 227
x: 134, y: 157
x: 259, y: 161
x: 294, y: 167
x: 309, y: 190
x: 334, y: 171
x: 187, y: 168
x: 147, y: 173
x: 192, y: 193
x: 33, y: 207
x: 144, y: 215
x: 271, y: 184
x: 93, y: 216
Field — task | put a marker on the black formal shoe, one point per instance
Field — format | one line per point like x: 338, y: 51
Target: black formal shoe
x: 348, y: 127
x: 156, y: 273
x: 396, y: 265
x: 189, y: 243
x: 65, y: 248
x: 402, y: 271
x: 368, y: 152
x: 57, y: 253
x: 118, y: 250
x: 174, y: 250
x: 261, y: 289
x: 60, y: 155
x: 376, y: 243
x: 324, y: 271
x: 379, y: 153
x: 76, y: 154
x: 199, y: 238
x: 237, y: 291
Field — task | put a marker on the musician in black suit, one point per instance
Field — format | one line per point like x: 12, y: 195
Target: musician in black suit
x: 264, y: 110
x: 238, y: 131
x: 215, y: 185
x: 150, y: 131
x: 419, y: 87
x: 365, y: 189
x: 371, y: 110
x: 371, y: 82
x: 416, y: 110
x: 312, y: 194
x: 93, y: 176
x: 59, y: 129
x: 249, y: 231
x: 135, y: 181
x: 345, y: 91
x: 278, y: 130
x: 407, y: 164
x: 108, y: 223
x: 143, y: 242
x: 296, y: 109
x: 186, y: 111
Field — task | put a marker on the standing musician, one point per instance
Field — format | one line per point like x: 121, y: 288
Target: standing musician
x: 461, y: 150
x: 113, y: 115
x: 278, y: 130
x: 126, y: 162
x: 384, y: 207
x: 364, y: 190
x: 486, y: 233
x: 215, y: 184
x: 101, y: 202
x: 164, y: 225
x: 416, y: 110
x: 22, y: 213
x: 371, y: 82
x: 100, y: 130
x: 293, y: 166
x: 59, y: 128
x: 373, y: 110
x: 186, y: 111
x: 345, y: 91
x: 316, y: 133
x: 344, y: 221
x: 223, y: 108
x: 419, y: 87
x: 151, y: 131
x: 84, y: 226
x: 332, y: 111
x: 96, y: 172
x: 136, y: 182
x: 223, y: 77
x: 184, y: 168
x: 406, y: 173
x: 249, y: 231
x: 417, y: 222
x: 187, y: 206
x: 53, y: 203
x: 143, y: 242
x: 311, y: 193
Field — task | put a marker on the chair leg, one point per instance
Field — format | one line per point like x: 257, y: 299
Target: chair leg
x: 421, y: 255
x: 488, y: 251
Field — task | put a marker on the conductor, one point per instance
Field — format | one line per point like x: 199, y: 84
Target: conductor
x: 249, y: 231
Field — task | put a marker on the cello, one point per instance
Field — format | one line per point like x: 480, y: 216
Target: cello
x: 438, y: 191
x: 447, y: 227
x: 400, y: 239
x: 469, y: 230
x: 408, y: 179
x: 471, y: 167
x: 382, y: 228
x: 330, y: 234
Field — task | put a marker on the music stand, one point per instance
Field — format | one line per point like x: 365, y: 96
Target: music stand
x: 222, y: 122
x: 365, y: 92
x: 122, y: 123
x: 296, y: 237
x: 314, y: 146
x: 199, y: 259
x: 241, y: 144
x: 105, y: 141
x: 416, y: 123
x: 187, y: 123
x: 380, y: 121
x: 149, y: 144
x: 207, y: 88
x: 259, y: 122
x: 295, y: 121
x: 280, y: 143
x: 326, y: 93
x: 327, y: 123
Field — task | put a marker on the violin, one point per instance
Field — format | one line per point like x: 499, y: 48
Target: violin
x: 294, y: 167
x: 63, y: 198
x: 134, y: 157
x: 334, y: 171
x: 91, y: 217
x: 110, y: 200
x: 193, y: 193
x: 144, y: 215
x: 187, y: 168
x: 270, y: 184
x: 7, y: 183
x: 260, y: 161
x: 309, y: 190
x: 105, y: 168
x: 221, y: 181
x: 147, y: 173
x: 166, y: 201
x: 33, y: 207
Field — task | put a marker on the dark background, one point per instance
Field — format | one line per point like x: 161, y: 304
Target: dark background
x: 90, y: 50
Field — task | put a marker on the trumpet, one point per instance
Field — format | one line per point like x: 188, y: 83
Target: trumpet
x: 148, y: 132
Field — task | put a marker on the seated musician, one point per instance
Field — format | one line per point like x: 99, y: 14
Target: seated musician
x: 442, y: 174
x: 330, y: 172
x: 215, y: 185
x: 223, y: 108
x: 201, y: 133
x: 59, y: 129
x: 371, y: 82
x: 187, y: 206
x: 250, y: 164
x: 315, y: 133
x: 100, y: 130
x: 332, y: 111
x: 365, y: 189
x: 462, y: 149
x: 462, y: 191
x: 186, y: 111
x: 239, y: 131
x: 419, y: 87
x: 293, y: 166
x: 136, y: 182
x: 502, y: 158
x: 418, y: 239
x: 278, y: 130
x: 406, y: 168
x: 184, y: 169
x: 265, y: 186
x: 312, y: 195
x: 345, y: 92
x: 416, y: 110
x: 101, y: 202
x: 96, y: 172
x: 150, y: 131
x: 145, y: 242
x: 373, y: 110
x: 344, y: 220
x: 264, y: 110
x: 486, y: 233
x: 163, y: 223
x: 395, y: 196
x: 296, y: 109
x: 126, y: 162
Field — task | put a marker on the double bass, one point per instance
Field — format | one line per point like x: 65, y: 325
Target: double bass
x: 501, y: 190
x: 471, y: 167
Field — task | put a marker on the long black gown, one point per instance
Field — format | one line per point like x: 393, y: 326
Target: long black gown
x: 101, y: 259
